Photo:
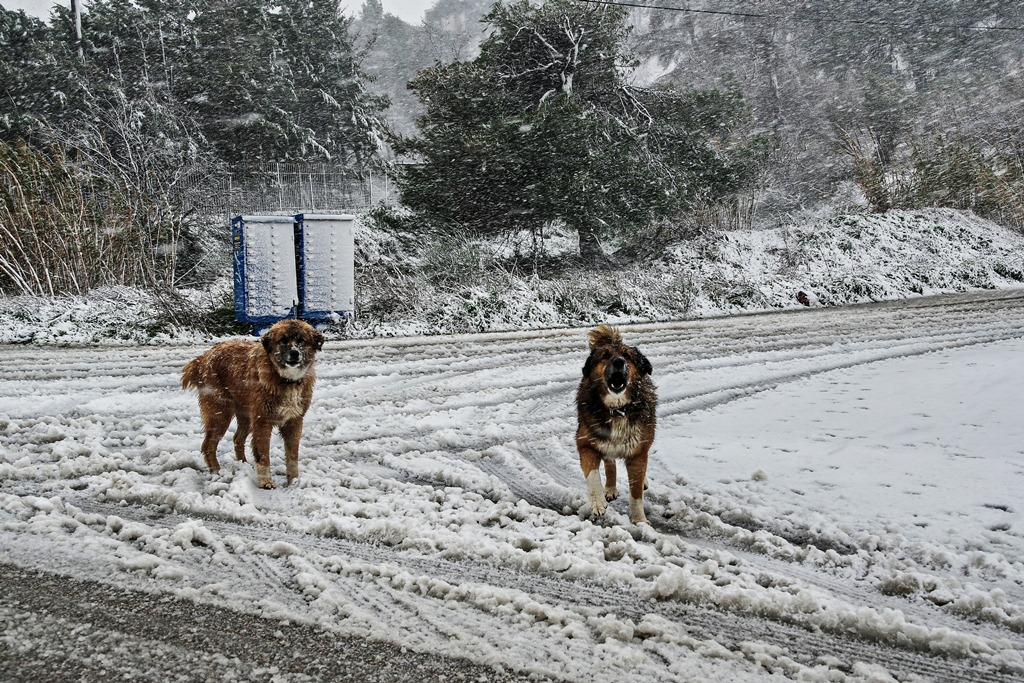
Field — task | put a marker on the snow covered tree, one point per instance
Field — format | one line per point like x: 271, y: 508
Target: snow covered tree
x: 334, y: 116
x: 264, y: 81
x: 542, y: 127
x: 41, y: 81
x: 373, y: 11
x: 280, y: 82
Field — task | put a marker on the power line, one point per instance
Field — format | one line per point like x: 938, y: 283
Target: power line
x: 819, y: 19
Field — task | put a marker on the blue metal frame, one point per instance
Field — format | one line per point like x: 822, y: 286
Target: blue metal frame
x: 260, y: 323
x: 238, y: 262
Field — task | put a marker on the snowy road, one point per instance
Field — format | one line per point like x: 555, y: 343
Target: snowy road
x: 836, y: 494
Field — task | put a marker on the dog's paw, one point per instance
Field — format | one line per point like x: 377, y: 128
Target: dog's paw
x: 636, y: 511
x: 266, y: 484
x: 610, y: 493
x: 597, y: 507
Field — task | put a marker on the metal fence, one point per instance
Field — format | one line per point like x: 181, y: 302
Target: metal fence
x: 288, y: 188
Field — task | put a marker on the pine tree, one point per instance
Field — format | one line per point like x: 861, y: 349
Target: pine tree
x: 41, y: 80
x: 543, y: 127
x: 373, y: 11
x: 280, y: 82
x: 333, y: 115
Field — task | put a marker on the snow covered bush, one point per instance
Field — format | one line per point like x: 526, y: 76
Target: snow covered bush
x: 76, y: 214
x: 57, y: 238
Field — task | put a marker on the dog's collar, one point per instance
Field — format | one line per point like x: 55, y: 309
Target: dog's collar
x: 289, y: 382
x: 619, y: 412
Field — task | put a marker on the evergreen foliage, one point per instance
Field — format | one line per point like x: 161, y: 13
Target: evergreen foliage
x: 41, y: 82
x: 542, y: 127
x: 257, y: 80
x: 896, y: 74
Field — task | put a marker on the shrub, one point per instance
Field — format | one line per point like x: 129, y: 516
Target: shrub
x: 957, y: 172
x: 61, y: 233
x: 961, y: 173
x: 72, y: 218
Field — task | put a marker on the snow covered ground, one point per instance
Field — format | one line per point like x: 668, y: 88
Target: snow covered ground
x: 836, y: 495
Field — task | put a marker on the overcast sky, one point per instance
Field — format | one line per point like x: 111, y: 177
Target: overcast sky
x: 411, y: 11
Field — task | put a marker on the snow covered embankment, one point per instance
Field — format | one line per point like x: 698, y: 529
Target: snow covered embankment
x: 854, y: 259
x: 845, y: 259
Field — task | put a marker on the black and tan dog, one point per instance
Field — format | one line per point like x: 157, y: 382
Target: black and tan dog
x: 616, y: 404
x: 262, y: 385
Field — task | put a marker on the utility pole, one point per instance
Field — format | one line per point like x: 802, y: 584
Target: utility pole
x: 76, y: 20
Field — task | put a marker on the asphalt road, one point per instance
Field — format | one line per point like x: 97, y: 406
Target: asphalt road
x: 58, y: 629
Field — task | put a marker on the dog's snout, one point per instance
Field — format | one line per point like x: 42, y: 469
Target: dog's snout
x: 293, y: 355
x: 617, y: 373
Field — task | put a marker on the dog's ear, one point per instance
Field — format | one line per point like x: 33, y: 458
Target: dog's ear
x: 589, y: 365
x: 265, y: 340
x: 318, y: 340
x: 642, y: 363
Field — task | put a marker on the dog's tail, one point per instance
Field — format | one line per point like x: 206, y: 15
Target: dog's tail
x: 604, y: 335
x: 190, y: 375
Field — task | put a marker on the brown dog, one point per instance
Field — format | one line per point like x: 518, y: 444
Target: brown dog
x: 616, y: 405
x: 262, y: 385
